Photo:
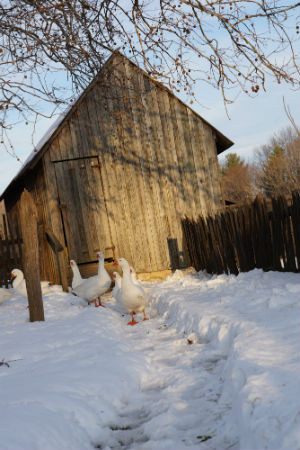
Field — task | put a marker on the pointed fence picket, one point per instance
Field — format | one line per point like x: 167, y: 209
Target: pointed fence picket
x: 263, y: 234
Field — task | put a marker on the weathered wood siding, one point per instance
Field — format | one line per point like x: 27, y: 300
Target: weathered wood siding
x: 36, y: 185
x: 125, y: 167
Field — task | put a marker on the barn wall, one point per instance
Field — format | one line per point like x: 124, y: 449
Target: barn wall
x: 35, y: 184
x: 158, y: 162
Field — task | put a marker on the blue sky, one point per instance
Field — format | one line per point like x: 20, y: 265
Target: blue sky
x: 252, y: 122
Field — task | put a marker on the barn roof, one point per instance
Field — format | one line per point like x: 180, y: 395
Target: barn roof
x: 222, y: 142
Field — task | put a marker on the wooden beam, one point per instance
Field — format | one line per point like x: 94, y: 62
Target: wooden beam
x: 53, y: 239
x: 28, y: 220
x: 61, y: 258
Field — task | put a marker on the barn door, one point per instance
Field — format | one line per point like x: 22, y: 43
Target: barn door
x: 83, y: 208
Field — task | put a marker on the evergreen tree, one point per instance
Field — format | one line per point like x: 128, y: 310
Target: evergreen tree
x: 231, y: 160
x: 278, y: 164
x: 236, y: 179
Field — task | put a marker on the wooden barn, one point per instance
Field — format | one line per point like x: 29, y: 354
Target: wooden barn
x: 118, y: 171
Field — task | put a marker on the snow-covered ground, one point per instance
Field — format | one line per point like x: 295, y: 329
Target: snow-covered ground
x: 215, y: 367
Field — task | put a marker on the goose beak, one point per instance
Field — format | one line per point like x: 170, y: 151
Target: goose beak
x: 116, y: 263
x: 12, y: 276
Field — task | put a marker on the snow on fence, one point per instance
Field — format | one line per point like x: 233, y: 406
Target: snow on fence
x: 263, y: 234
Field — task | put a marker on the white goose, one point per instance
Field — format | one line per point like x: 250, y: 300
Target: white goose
x: 77, y: 278
x: 19, y: 283
x: 132, y: 296
x: 92, y: 288
x: 134, y: 278
x: 5, y: 295
x: 117, y: 288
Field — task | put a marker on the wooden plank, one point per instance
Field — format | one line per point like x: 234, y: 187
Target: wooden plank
x: 186, y: 159
x: 171, y: 183
x: 78, y: 211
x: 187, y: 148
x: 71, y: 222
x: 134, y: 93
x: 90, y: 197
x: 38, y: 192
x: 205, y: 142
x: 213, y: 168
x: 52, y: 212
x: 58, y: 246
x: 148, y: 186
x: 173, y: 201
x: 176, y: 123
x: 216, y: 258
x: 268, y: 237
x: 159, y: 173
x: 63, y: 270
x: 75, y: 135
x: 201, y: 159
x: 104, y: 136
x: 130, y: 162
x: 259, y: 237
x: 290, y: 264
x: 151, y: 148
x: 97, y: 177
x: 122, y: 188
x: 295, y: 216
x: 6, y: 255
x: 277, y: 236
x: 190, y: 237
x: 205, y: 242
x: 28, y: 219
x: 5, y: 252
x: 54, y: 150
x: 248, y: 212
x: 230, y: 258
x: 197, y: 148
x: 128, y: 158
x: 61, y: 257
x: 221, y: 242
x: 240, y: 240
x: 84, y: 130
x: 65, y: 143
x: 70, y: 180
x: 84, y: 197
x: 233, y: 262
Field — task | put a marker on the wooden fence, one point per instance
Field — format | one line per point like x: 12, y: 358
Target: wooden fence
x: 10, y: 250
x: 263, y: 234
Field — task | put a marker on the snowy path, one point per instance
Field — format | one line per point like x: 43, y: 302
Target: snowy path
x: 216, y: 367
x: 174, y: 404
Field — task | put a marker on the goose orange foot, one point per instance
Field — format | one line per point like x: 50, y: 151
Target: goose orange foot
x: 100, y: 304
x: 133, y: 322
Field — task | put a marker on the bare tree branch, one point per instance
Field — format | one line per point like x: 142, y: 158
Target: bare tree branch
x: 224, y: 43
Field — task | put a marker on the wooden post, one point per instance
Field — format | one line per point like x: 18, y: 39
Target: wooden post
x: 28, y: 221
x: 62, y: 262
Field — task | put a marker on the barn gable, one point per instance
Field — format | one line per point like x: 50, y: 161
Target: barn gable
x: 124, y: 165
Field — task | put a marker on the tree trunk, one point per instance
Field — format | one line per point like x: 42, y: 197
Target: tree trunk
x: 28, y: 220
